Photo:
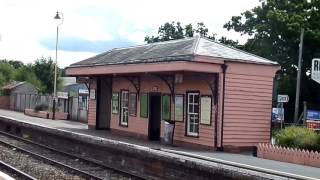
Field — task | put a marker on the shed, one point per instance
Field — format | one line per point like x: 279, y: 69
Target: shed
x: 217, y: 96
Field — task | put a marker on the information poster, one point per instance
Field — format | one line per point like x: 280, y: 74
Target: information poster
x: 166, y: 113
x: 115, y: 103
x: 144, y: 105
x: 205, y: 110
x: 178, y: 108
x: 92, y: 94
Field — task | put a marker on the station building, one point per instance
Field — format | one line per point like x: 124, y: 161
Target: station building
x: 217, y: 96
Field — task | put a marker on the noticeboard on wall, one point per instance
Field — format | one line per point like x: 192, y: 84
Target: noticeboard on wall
x: 115, y: 103
x: 166, y: 107
x: 205, y: 113
x: 178, y: 108
x: 144, y: 105
x: 92, y: 94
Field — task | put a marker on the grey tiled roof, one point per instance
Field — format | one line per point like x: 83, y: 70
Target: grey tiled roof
x: 176, y: 50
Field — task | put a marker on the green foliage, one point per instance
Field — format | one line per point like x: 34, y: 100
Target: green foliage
x: 40, y: 74
x: 26, y: 73
x: 6, y: 73
x: 41, y: 107
x: 44, y: 70
x: 275, y: 27
x: 298, y: 137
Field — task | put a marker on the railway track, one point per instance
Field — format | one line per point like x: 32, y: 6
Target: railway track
x: 71, y: 162
x: 13, y: 172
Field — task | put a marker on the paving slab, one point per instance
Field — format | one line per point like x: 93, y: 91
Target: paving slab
x: 246, y: 160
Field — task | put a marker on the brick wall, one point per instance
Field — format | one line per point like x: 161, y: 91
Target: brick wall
x: 92, y: 106
x: 303, y: 157
x: 4, y: 102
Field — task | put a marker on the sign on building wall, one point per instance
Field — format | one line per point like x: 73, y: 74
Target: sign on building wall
x: 315, y: 70
x: 144, y: 105
x: 115, y: 103
x: 205, y: 116
x: 178, y: 108
x: 92, y: 94
x: 166, y: 107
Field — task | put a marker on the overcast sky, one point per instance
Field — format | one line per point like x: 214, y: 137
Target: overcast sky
x: 28, y: 30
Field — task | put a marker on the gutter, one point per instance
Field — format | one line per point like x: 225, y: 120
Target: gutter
x: 224, y: 69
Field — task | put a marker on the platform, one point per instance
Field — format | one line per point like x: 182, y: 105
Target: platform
x: 246, y: 160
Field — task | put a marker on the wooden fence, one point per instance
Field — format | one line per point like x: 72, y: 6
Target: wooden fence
x: 296, y: 156
x: 4, y: 102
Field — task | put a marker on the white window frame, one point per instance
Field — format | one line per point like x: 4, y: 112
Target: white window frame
x: 191, y: 113
x: 124, y: 115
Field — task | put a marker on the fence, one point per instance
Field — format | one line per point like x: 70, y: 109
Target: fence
x: 4, y: 102
x: 297, y: 156
x: 76, y: 107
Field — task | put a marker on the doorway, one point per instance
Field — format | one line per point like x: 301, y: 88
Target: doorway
x: 154, y: 116
x: 104, y: 92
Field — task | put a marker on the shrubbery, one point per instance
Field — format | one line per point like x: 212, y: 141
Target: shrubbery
x: 41, y: 107
x: 298, y: 137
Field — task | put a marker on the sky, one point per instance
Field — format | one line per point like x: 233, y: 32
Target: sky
x: 90, y: 27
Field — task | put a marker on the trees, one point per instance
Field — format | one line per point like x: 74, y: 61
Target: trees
x: 172, y: 31
x: 6, y: 72
x: 40, y: 74
x: 44, y: 69
x: 275, y: 29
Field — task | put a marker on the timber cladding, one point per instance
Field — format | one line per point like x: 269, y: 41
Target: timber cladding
x: 247, y: 105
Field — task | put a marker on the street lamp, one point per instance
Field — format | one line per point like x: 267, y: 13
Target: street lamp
x: 59, y: 16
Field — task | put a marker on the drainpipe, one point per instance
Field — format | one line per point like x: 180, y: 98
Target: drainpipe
x: 224, y: 68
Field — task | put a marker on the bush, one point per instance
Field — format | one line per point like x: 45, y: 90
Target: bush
x: 41, y: 107
x: 298, y: 137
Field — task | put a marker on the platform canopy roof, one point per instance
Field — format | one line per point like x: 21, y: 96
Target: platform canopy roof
x: 175, y: 50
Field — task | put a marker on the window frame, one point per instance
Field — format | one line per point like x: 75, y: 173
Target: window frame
x: 187, y: 127
x: 121, y: 122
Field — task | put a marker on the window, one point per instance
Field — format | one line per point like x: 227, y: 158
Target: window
x: 124, y: 108
x: 193, y: 114
x: 166, y: 107
x: 133, y: 104
x: 144, y: 105
x: 115, y: 103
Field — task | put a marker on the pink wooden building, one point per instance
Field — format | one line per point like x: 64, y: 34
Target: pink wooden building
x: 217, y: 96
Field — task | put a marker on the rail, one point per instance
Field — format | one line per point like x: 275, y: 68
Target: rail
x: 15, y: 171
x: 87, y: 168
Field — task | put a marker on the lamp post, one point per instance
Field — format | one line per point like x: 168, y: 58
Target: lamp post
x: 59, y: 16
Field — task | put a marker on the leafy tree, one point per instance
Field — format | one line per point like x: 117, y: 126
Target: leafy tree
x: 6, y: 72
x: 44, y: 70
x: 172, y: 31
x: 274, y: 27
x: 26, y: 73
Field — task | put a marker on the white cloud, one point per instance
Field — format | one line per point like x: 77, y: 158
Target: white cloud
x: 24, y: 23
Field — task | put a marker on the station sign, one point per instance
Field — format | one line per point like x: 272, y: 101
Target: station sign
x: 313, y: 115
x: 83, y: 91
x: 315, y: 70
x: 283, y: 98
x: 63, y: 95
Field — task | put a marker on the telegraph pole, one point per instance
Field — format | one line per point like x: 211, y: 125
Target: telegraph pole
x: 296, y: 106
